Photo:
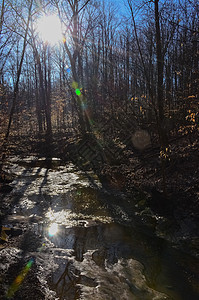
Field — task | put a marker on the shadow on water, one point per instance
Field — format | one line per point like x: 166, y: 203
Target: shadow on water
x: 98, y: 247
x: 22, y: 189
x: 29, y: 175
x: 166, y: 269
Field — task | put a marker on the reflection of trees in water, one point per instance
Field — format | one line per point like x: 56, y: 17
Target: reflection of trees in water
x: 87, y: 238
x: 67, y: 284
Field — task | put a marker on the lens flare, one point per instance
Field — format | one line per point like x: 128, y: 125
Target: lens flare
x: 74, y: 85
x: 19, y: 279
x: 67, y: 69
x: 141, y: 139
x: 83, y: 102
x: 78, y: 92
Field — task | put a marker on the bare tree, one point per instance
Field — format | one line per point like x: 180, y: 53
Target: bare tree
x: 74, y: 28
x: 16, y: 87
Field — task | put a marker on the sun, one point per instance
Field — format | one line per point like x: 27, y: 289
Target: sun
x: 53, y: 229
x: 49, y: 29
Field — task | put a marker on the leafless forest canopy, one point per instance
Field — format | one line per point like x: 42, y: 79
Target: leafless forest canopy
x: 133, y: 62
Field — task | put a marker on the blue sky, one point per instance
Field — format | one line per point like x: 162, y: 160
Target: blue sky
x: 120, y: 4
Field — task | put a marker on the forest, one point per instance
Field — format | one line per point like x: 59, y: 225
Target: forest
x: 110, y: 88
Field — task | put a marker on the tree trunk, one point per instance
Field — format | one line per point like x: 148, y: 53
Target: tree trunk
x: 16, y: 88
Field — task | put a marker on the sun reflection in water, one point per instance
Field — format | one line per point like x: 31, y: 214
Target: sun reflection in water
x: 53, y: 229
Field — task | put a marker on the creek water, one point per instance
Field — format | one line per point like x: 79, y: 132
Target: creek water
x: 89, y: 245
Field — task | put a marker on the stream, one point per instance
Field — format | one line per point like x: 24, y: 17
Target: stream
x: 83, y: 241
